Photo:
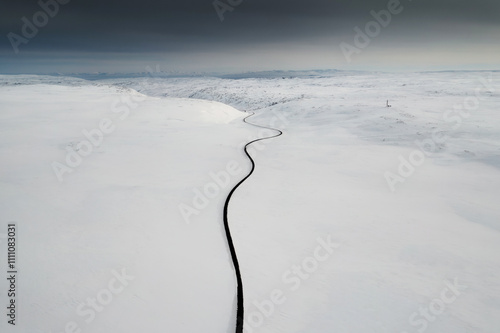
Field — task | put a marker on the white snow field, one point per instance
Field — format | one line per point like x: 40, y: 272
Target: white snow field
x: 359, y: 218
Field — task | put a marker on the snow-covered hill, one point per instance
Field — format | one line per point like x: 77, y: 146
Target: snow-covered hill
x: 360, y: 218
x: 94, y: 176
x: 460, y: 105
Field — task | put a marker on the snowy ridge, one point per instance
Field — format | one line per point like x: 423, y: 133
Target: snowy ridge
x: 324, y: 243
x: 116, y: 210
x: 420, y: 101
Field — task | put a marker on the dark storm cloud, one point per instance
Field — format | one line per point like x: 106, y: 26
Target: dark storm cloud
x: 153, y: 26
x: 98, y: 35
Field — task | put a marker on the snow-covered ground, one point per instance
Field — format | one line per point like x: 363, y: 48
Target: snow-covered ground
x: 360, y: 218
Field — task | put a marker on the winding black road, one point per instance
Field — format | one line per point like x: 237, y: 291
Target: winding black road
x: 240, y: 308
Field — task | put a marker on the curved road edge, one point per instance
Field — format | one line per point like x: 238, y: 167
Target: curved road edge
x: 240, y: 307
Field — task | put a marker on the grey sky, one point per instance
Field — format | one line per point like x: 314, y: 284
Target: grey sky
x: 187, y: 35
